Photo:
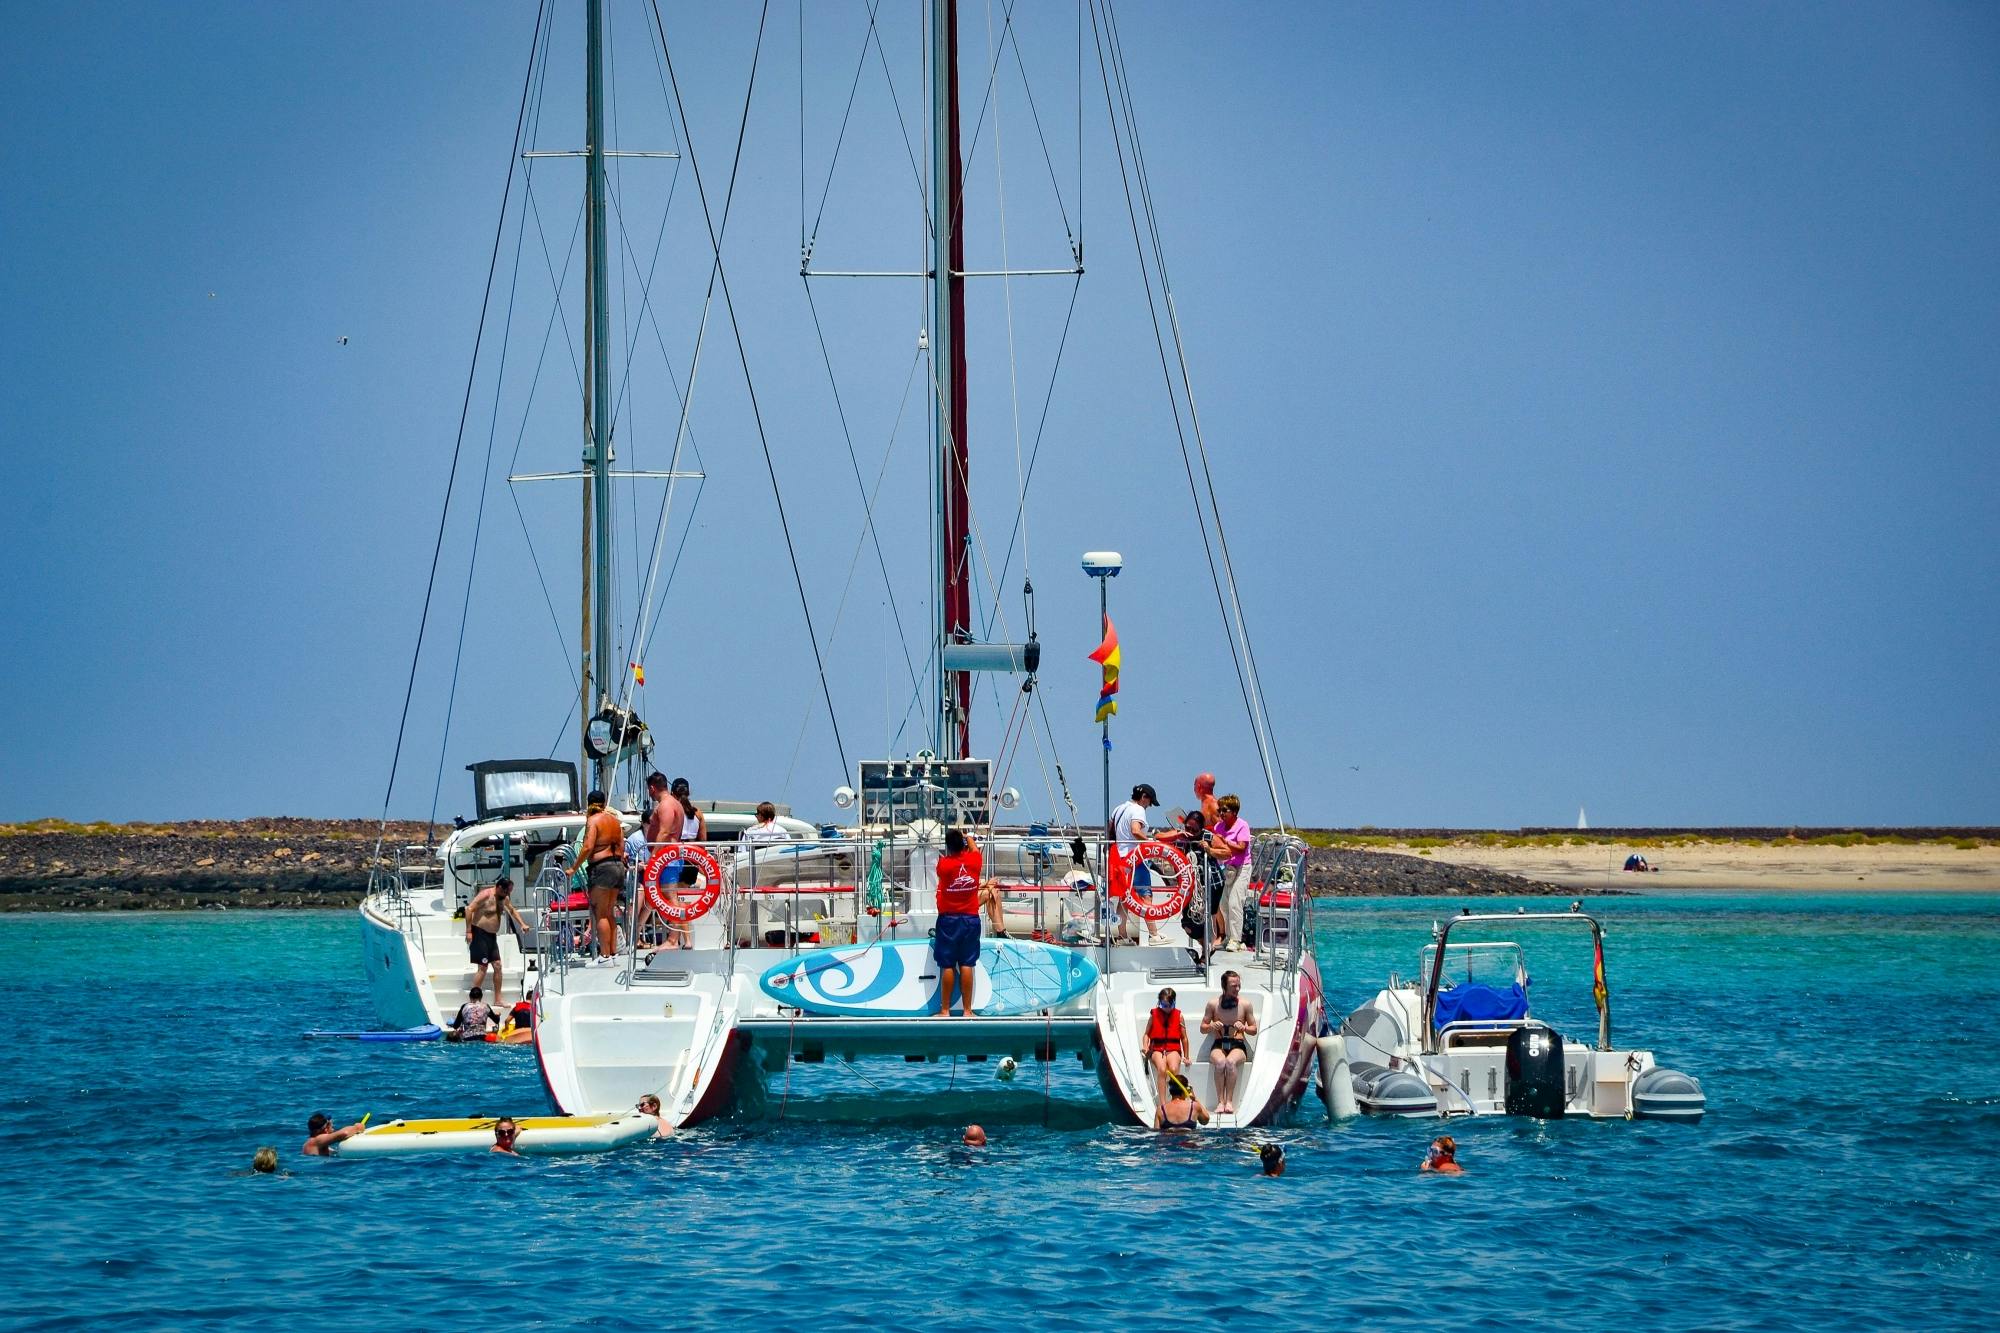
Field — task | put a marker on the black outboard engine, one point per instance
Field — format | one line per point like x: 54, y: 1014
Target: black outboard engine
x: 1535, y: 1072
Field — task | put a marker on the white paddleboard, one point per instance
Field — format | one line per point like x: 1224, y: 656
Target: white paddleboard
x: 540, y: 1134
x: 899, y: 979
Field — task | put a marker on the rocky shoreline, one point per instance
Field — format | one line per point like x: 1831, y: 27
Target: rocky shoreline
x: 261, y: 863
x: 52, y: 866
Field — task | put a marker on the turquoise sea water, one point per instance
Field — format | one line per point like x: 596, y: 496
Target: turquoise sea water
x: 1842, y: 1179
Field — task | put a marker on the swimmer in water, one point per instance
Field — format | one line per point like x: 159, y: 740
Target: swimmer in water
x: 1272, y: 1158
x: 1182, y: 1109
x: 323, y: 1140
x: 650, y: 1105
x: 1443, y: 1157
x: 974, y: 1137
x: 264, y: 1163
x: 504, y: 1134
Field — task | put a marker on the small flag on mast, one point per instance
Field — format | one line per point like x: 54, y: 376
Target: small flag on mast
x: 1598, y: 991
x: 638, y: 674
x: 1107, y: 657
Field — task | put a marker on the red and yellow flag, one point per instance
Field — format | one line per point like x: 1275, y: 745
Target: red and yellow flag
x: 1598, y: 991
x: 1106, y: 656
x: 638, y: 674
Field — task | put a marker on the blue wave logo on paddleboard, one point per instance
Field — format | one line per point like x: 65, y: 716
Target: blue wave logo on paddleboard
x: 891, y: 978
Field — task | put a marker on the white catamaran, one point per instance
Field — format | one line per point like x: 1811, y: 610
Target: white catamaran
x: 755, y: 950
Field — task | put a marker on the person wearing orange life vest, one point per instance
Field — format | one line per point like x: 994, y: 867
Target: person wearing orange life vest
x: 955, y: 942
x: 1165, y: 1044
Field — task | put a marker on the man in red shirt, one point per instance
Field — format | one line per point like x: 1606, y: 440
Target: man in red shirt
x: 956, y: 940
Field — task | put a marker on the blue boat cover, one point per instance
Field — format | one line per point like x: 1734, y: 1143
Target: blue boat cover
x: 1474, y: 1001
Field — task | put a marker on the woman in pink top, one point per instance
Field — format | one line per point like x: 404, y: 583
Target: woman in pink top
x: 1230, y: 828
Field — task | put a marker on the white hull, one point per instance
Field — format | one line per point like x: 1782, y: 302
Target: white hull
x: 420, y: 972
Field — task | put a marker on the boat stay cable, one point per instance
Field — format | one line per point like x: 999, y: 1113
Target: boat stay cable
x: 649, y: 607
x: 869, y: 498
x: 808, y: 240
x: 534, y: 383
x: 458, y: 443
x: 870, y: 531
x: 478, y: 517
x: 1261, y: 714
x: 1118, y: 98
x: 743, y: 354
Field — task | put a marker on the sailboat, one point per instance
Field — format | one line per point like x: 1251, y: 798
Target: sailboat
x: 741, y: 959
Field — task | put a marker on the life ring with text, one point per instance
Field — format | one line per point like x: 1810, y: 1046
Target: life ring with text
x: 1158, y: 908
x: 667, y: 899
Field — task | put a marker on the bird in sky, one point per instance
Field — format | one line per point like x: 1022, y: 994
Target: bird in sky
x: 342, y: 340
x: 211, y: 296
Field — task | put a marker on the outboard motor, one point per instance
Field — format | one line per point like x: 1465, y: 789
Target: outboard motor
x: 1535, y: 1072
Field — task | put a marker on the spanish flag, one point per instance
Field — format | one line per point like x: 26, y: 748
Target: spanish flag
x: 1106, y: 656
x: 638, y: 673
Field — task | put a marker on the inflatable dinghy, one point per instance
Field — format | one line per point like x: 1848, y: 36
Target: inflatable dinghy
x: 428, y: 1032
x: 540, y: 1134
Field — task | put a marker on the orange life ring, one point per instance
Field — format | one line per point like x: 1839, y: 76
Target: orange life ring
x: 666, y: 900
x: 1157, y: 908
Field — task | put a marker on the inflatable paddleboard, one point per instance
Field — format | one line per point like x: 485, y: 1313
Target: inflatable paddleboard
x: 428, y: 1032
x: 540, y: 1134
x: 899, y: 979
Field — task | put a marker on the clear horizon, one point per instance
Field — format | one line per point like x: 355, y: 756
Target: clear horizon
x: 1603, y: 406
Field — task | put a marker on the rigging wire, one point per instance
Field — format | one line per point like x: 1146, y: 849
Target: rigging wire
x: 1112, y: 72
x: 479, y: 513
x: 684, y: 431
x: 742, y: 353
x: 534, y: 381
x: 854, y: 463
x: 465, y: 407
x: 1261, y: 717
x: 520, y: 436
x: 868, y: 500
x: 1007, y: 292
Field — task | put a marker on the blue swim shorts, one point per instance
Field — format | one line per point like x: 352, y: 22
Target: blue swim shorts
x: 956, y: 943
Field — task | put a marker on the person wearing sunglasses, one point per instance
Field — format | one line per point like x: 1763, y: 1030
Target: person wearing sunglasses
x: 504, y: 1133
x: 650, y: 1105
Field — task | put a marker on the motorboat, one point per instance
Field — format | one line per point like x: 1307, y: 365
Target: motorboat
x: 1462, y: 1038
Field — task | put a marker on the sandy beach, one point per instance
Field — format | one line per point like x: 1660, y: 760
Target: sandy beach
x: 1725, y: 866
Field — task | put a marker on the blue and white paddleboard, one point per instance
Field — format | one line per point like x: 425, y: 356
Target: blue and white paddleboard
x: 427, y: 1032
x: 899, y: 979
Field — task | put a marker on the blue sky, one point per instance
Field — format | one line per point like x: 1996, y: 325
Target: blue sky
x: 1603, y: 401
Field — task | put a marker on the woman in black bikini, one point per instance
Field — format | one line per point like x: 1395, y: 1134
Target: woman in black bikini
x: 1182, y: 1109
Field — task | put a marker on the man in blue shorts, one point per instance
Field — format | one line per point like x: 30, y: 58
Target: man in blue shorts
x: 956, y: 940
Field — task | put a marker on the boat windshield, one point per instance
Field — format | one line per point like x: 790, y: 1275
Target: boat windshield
x: 1500, y: 964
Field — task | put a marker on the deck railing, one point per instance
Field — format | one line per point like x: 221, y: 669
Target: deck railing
x: 857, y: 888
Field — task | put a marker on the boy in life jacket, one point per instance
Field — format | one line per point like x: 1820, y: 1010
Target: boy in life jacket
x: 1165, y: 1045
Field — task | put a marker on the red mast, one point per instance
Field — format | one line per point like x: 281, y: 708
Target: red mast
x: 948, y: 285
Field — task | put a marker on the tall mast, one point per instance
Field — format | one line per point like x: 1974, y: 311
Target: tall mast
x: 952, y: 736
x: 596, y: 407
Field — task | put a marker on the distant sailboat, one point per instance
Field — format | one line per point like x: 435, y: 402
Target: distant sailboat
x: 1582, y: 821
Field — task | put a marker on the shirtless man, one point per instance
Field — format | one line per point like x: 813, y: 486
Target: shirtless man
x: 663, y: 820
x: 604, y: 864
x: 1233, y: 1022
x: 322, y: 1138
x: 482, y: 929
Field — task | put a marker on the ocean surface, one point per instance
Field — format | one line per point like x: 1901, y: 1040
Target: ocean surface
x: 1843, y: 1179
